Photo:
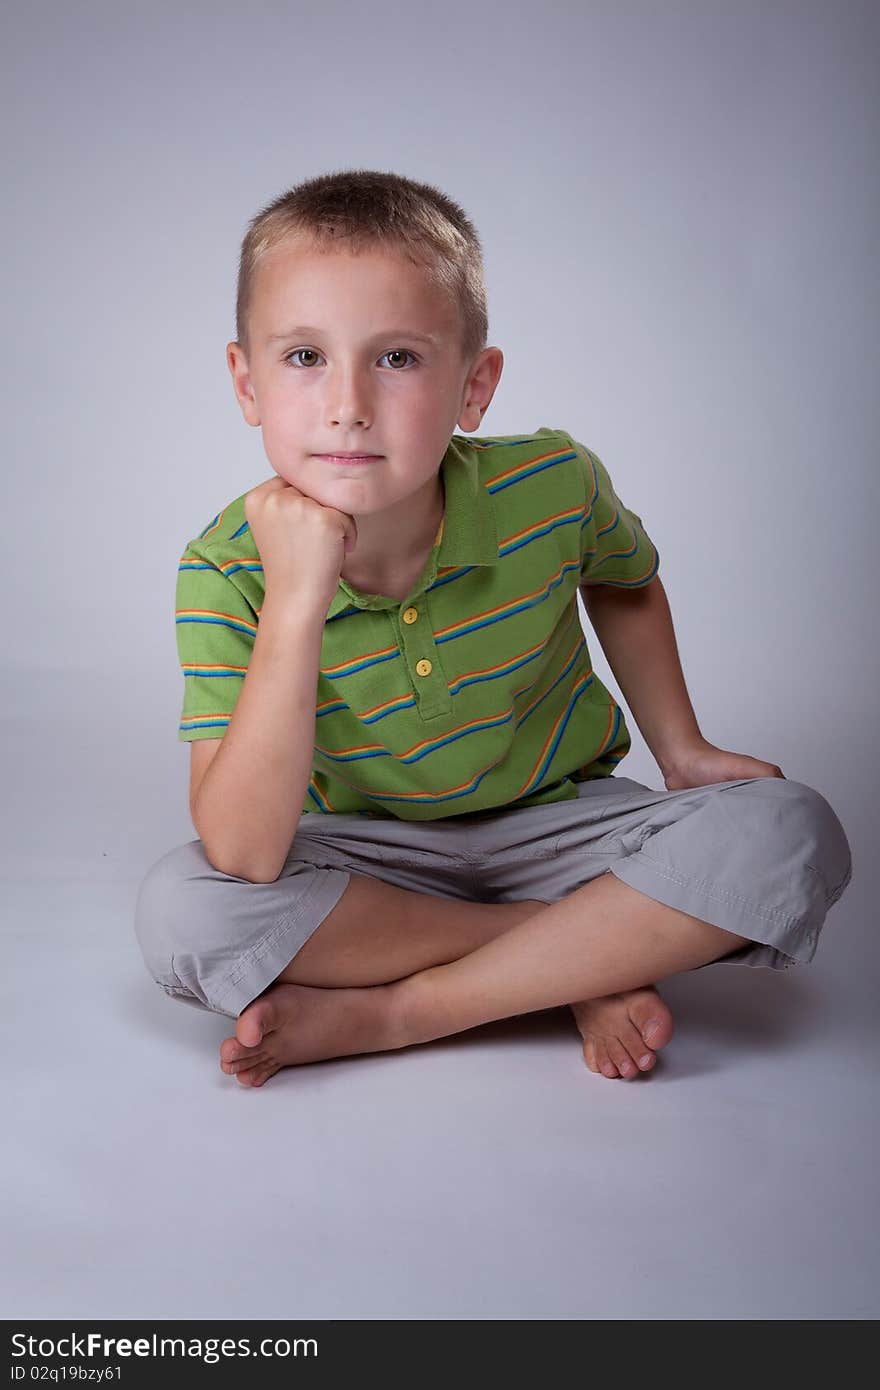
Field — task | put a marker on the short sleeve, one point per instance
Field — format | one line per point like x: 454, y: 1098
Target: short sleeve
x: 216, y: 628
x: 615, y: 547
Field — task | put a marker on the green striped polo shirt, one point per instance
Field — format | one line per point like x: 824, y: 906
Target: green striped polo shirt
x: 477, y: 690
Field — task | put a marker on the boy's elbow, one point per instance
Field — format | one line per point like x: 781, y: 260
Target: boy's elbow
x: 263, y: 877
x: 231, y: 868
x: 246, y: 874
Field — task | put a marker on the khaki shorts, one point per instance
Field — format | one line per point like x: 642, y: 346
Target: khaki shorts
x: 762, y: 857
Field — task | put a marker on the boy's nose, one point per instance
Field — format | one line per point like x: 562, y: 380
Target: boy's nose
x: 343, y: 419
x: 348, y: 402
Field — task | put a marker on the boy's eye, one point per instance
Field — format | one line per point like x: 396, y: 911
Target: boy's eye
x: 398, y: 352
x: 296, y: 353
x: 393, y: 352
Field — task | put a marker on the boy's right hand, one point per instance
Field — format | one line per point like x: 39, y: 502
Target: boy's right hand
x: 302, y: 543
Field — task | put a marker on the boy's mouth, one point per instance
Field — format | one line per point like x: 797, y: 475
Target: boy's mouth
x: 349, y: 458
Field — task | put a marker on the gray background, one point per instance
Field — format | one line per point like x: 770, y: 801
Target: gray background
x: 678, y: 204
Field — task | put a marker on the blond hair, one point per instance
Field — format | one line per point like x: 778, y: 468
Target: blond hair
x: 366, y: 208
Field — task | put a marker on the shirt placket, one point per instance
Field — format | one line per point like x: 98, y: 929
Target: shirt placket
x: 415, y: 638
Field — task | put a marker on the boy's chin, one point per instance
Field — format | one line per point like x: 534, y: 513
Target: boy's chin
x: 330, y: 488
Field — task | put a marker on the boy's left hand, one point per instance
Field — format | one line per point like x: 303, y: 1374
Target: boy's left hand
x: 702, y: 763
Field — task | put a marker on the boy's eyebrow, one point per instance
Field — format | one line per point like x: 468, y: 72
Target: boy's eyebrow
x: 303, y: 330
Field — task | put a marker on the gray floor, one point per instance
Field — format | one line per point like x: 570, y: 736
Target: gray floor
x: 666, y: 281
x: 486, y: 1176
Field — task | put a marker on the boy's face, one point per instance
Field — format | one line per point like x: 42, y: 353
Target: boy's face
x: 356, y: 353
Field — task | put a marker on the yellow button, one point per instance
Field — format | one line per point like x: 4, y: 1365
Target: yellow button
x: 424, y: 667
x: 410, y: 615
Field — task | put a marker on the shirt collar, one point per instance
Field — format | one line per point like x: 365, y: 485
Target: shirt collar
x: 467, y: 532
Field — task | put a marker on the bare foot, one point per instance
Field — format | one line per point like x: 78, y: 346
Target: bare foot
x: 617, y: 1027
x: 290, y: 1024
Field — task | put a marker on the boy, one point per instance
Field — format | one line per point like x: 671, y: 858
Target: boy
x: 403, y: 766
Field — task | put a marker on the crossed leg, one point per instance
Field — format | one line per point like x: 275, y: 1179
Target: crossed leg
x: 388, y: 968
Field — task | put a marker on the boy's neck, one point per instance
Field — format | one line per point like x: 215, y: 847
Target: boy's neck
x: 393, y: 545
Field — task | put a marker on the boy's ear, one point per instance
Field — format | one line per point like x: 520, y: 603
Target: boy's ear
x: 479, y: 388
x: 241, y: 381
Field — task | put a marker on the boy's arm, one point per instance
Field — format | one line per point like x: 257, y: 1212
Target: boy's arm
x: 249, y: 802
x: 634, y: 627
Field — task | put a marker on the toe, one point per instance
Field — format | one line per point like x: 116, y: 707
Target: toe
x: 652, y: 1018
x: 243, y: 1063
x: 590, y: 1054
x: 621, y: 1058
x: 246, y: 1076
x: 262, y: 1074
x: 231, y: 1050
x: 641, y: 1056
x: 256, y: 1076
x: 254, y: 1022
x: 604, y: 1062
